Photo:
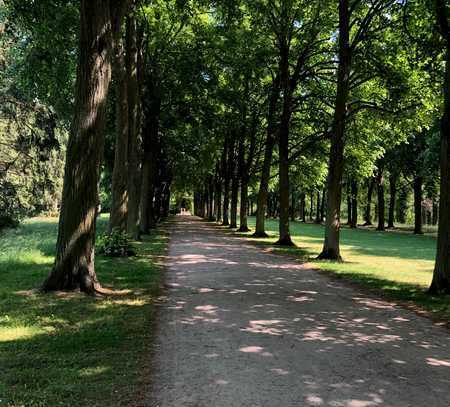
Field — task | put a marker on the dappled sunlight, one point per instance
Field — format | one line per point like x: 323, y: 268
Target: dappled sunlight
x: 49, y: 340
x: 392, y: 256
x: 438, y: 362
x: 17, y: 333
x: 373, y: 303
x: 90, y: 372
x: 267, y: 324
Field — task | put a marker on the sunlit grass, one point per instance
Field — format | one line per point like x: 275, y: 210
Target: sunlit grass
x: 68, y: 349
x: 395, y: 263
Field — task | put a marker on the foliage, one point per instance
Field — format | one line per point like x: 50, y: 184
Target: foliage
x: 32, y: 140
x: 115, y: 244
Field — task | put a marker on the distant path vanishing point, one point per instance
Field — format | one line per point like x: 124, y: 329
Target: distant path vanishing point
x: 241, y: 327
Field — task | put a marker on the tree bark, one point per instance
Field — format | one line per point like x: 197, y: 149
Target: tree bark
x: 331, y: 248
x: 368, y: 211
x: 317, y: 221
x: 402, y: 204
x: 292, y: 208
x: 392, y: 199
x: 206, y: 200
x: 418, y: 184
x: 322, y: 206
x: 261, y: 202
x: 229, y: 147
x: 283, y: 144
x: 150, y: 136
x: 349, y: 204
x: 441, y: 273
x: 134, y: 124
x: 303, y: 207
x: 234, y: 190
x: 435, y: 216
x: 211, y: 213
x: 74, y: 262
x: 218, y: 193
x: 119, y: 193
x: 380, y: 205
x: 245, y: 176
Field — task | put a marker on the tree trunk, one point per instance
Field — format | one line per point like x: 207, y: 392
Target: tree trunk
x: 322, y: 206
x: 317, y: 220
x: 392, y: 199
x: 368, y: 212
x: 212, y: 216
x: 165, y: 207
x: 243, y: 223
x: 134, y: 125
x: 303, y: 207
x: 245, y: 177
x: 441, y: 274
x: 234, y: 191
x: 311, y: 206
x: 283, y: 149
x: 292, y: 208
x: 74, y: 262
x: 150, y: 135
x: 119, y: 193
x: 157, y: 204
x: 207, y: 199
x: 418, y: 183
x: 261, y: 203
x: 354, y: 192
x: 331, y: 248
x: 435, y: 216
x: 380, y: 205
x: 218, y: 194
x: 146, y: 217
x: 402, y: 204
x: 349, y: 204
x: 229, y: 148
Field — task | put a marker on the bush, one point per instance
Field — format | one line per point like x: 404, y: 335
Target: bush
x: 11, y: 208
x: 115, y: 244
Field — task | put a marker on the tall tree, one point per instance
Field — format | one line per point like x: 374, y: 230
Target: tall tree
x: 119, y: 194
x: 359, y: 23
x: 441, y: 273
x: 74, y: 264
x: 133, y: 60
x: 331, y: 249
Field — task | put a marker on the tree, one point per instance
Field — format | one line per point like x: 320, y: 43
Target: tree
x: 361, y: 28
x: 133, y: 62
x: 331, y: 245
x: 74, y: 264
x: 441, y: 273
x: 119, y: 203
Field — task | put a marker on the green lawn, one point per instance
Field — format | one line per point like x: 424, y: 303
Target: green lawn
x: 398, y: 264
x: 69, y: 349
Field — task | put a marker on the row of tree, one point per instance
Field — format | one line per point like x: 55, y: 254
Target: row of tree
x: 260, y: 99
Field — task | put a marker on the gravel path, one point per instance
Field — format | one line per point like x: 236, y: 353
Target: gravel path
x: 242, y: 327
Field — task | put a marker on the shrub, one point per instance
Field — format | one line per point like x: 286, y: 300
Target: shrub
x: 115, y: 244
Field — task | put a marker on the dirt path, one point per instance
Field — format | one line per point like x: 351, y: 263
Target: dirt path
x: 241, y: 327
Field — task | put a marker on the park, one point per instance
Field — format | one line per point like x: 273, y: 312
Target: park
x: 225, y: 204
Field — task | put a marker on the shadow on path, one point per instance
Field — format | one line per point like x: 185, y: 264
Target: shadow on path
x: 242, y: 327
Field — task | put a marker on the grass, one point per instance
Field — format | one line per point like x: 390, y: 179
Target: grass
x: 398, y: 265
x: 69, y: 349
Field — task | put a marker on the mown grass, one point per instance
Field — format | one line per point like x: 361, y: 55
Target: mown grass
x: 69, y: 349
x: 397, y: 264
